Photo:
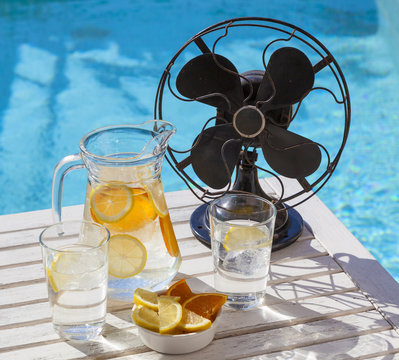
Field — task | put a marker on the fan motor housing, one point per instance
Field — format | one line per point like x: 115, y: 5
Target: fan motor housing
x: 249, y: 121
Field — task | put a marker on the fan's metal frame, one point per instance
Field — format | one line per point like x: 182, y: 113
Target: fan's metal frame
x: 291, y: 31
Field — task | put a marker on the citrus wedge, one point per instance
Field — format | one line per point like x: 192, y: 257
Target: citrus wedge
x: 146, y: 298
x: 127, y: 256
x: 110, y: 203
x: 57, y: 280
x: 174, y: 298
x: 141, y: 214
x: 192, y: 322
x: 239, y: 238
x: 170, y: 314
x: 181, y: 289
x: 169, y: 236
x: 206, y: 305
x: 146, y: 318
x: 68, y: 267
x: 155, y: 190
x: 61, y: 271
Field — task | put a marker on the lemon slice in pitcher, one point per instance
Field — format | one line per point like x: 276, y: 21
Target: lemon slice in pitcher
x: 239, y: 238
x: 110, y: 203
x: 155, y: 191
x: 127, y: 256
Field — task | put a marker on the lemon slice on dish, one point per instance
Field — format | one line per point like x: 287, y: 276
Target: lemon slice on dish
x: 170, y: 313
x: 146, y: 298
x: 110, y: 203
x: 127, y: 256
x: 192, y: 322
x: 239, y: 238
x: 146, y: 318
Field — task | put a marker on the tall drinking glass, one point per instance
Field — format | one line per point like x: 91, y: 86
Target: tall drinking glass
x: 242, y: 228
x: 75, y: 258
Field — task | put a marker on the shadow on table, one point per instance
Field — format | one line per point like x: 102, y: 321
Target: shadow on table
x: 295, y: 322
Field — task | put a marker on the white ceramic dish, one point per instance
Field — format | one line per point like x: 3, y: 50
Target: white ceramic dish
x: 182, y: 343
x: 178, y: 344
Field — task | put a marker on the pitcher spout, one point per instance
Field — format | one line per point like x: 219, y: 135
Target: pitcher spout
x: 163, y: 131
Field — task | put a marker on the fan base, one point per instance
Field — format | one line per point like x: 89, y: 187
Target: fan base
x: 290, y: 232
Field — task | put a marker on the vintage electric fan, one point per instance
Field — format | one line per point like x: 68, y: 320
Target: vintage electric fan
x: 253, y: 111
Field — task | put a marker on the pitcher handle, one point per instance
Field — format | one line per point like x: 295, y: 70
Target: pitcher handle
x: 67, y: 164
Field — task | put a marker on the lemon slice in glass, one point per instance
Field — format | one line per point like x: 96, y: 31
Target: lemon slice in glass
x: 110, y: 203
x: 127, y: 256
x: 56, y: 278
x: 240, y: 238
x: 170, y: 313
x: 68, y: 268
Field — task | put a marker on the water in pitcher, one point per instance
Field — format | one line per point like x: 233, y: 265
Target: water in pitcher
x: 125, y: 194
x: 143, y: 250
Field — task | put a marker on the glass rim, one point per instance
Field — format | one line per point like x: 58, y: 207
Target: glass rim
x: 87, y: 153
x: 270, y: 218
x: 104, y: 242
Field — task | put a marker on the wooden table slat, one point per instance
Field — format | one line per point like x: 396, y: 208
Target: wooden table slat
x: 319, y: 304
x: 349, y: 253
x: 378, y: 345
x: 260, y: 342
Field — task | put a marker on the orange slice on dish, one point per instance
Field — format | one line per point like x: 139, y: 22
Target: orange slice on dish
x: 180, y: 289
x: 206, y: 305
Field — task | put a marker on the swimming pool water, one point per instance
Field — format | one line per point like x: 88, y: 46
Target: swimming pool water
x: 72, y: 66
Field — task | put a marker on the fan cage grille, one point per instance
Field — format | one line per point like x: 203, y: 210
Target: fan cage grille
x: 290, y: 31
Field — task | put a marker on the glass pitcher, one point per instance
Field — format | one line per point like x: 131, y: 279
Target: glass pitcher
x: 125, y: 194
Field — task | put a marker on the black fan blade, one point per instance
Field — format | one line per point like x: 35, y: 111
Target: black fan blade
x: 203, y: 76
x: 280, y: 152
x: 292, y: 75
x: 207, y: 159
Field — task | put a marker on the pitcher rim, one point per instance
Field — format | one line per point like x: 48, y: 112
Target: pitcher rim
x: 89, y: 154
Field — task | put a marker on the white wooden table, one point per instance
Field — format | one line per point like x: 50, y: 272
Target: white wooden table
x: 328, y: 297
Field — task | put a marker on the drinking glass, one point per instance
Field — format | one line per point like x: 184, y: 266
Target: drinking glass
x: 242, y: 227
x: 75, y: 259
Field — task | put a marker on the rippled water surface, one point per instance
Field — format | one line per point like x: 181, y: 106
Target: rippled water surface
x: 71, y: 66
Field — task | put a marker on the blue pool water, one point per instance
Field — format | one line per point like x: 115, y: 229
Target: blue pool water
x: 68, y: 67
